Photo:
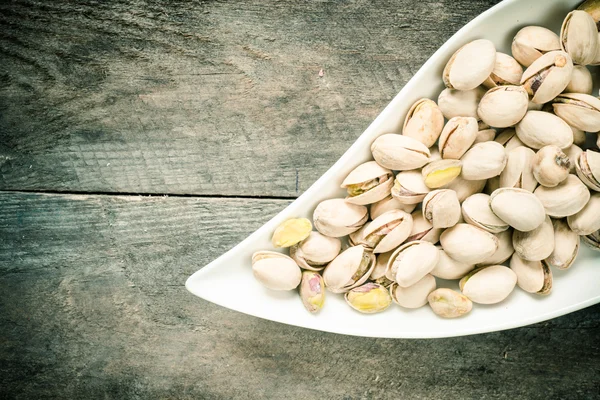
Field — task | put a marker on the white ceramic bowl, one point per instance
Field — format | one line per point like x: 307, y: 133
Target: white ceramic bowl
x: 228, y: 281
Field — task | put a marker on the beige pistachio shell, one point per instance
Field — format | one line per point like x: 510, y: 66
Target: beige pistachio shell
x: 441, y: 208
x: 449, y: 304
x: 378, y: 273
x: 449, y: 268
x: 518, y: 172
x: 460, y: 103
x: 414, y: 296
x: 509, y: 139
x: 441, y: 172
x: 538, y: 129
x: 535, y: 106
x: 465, y: 188
x: 389, y: 230
x: 477, y: 212
x: 592, y: 241
x: 573, y: 153
x: 566, y: 246
x: 409, y: 187
x: 399, y: 152
x: 312, y: 291
x: 587, y: 167
x: 457, y: 136
x: 581, y: 80
x: 567, y: 198
x: 505, y: 249
x: 579, y: 136
x: 468, y: 244
x: 358, y: 238
x: 336, y: 217
x: 579, y: 37
x: 369, y: 298
x: 349, y: 269
x: 424, y: 122
x: 470, y: 65
x: 550, y: 166
x: 532, y: 42
x: 291, y: 232
x: 483, y: 161
x: 548, y: 76
x: 503, y: 106
x: 597, y: 58
x: 537, y: 244
x: 316, y: 251
x: 489, y: 284
x: 532, y: 276
x: 387, y: 204
x: 507, y: 71
x: 518, y: 208
x: 368, y: 183
x: 275, y: 270
x: 423, y: 229
x: 485, y: 135
x: 587, y: 221
x: 579, y: 110
x: 411, y: 262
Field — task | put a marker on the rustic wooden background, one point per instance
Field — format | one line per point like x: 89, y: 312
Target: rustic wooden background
x: 141, y: 139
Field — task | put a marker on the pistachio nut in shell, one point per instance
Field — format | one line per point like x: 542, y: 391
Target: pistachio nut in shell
x: 470, y: 65
x: 592, y: 241
x: 312, y: 291
x: 378, y: 273
x: 457, y: 136
x: 275, y: 270
x: 581, y: 80
x: 507, y: 71
x: 579, y: 110
x: 449, y: 304
x: 414, y: 296
x: 505, y: 249
x: 399, y: 152
x: 531, y: 42
x: 349, y: 269
x: 483, y: 161
x: 441, y: 172
x: 503, y: 106
x: 579, y: 37
x: 532, y: 276
x: 460, y: 103
x: 389, y: 230
x: 291, y: 231
x: 586, y: 221
x: 369, y: 298
x: 409, y: 187
x: 548, y: 76
x: 538, y: 129
x: 468, y: 244
x: 550, y: 166
x: 587, y: 167
x: 441, y: 208
x: 518, y: 172
x: 573, y: 153
x: 316, y: 251
x: 449, y: 268
x: 387, y: 204
x: 566, y: 198
x: 476, y: 211
x: 489, y: 284
x: 566, y: 246
x: 424, y: 122
x: 411, y: 262
x: 368, y: 183
x: 336, y: 217
x: 537, y: 244
x: 358, y: 238
x: 518, y: 208
x: 465, y: 188
x: 485, y: 135
x: 423, y: 230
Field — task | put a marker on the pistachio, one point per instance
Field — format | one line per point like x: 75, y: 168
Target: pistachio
x: 579, y: 136
x: 470, y: 65
x: 587, y: 221
x: 457, y: 136
x: 423, y: 230
x: 368, y: 183
x: 336, y: 217
x: 537, y: 244
x: 465, y: 188
x: 275, y: 270
x: 503, y: 106
x: 312, y: 291
x: 358, y: 238
x: 592, y: 241
x: 411, y: 262
x: 587, y: 166
x: 579, y: 110
x: 449, y: 304
x: 509, y: 139
x: 483, y: 161
x: 573, y: 153
x: 378, y: 273
x: 518, y: 172
x: 538, y: 129
x: 410, y: 187
x: 460, y: 103
x: 550, y: 166
x: 518, y: 208
x: 548, y: 76
x: 441, y: 208
x: 349, y: 269
x: 534, y: 106
x: 414, y: 296
x: 566, y: 246
x: 388, y: 231
x: 291, y: 232
x: 505, y: 249
x: 477, y: 212
x: 399, y: 152
x: 316, y: 251
x: 387, y: 204
x: 424, y: 122
x: 532, y: 276
x: 369, y: 298
x: 532, y: 42
x: 581, y: 80
x: 591, y: 7
x: 468, y: 244
x: 449, y: 268
x: 507, y: 71
x: 441, y: 172
x: 579, y: 37
x: 567, y: 198
x: 485, y: 135
x: 489, y: 284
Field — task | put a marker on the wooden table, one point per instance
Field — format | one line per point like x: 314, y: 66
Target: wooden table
x: 139, y: 140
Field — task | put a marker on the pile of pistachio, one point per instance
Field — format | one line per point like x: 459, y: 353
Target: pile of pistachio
x: 496, y: 172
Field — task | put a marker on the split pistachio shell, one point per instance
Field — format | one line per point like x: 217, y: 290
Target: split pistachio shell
x: 369, y: 298
x: 368, y: 183
x: 507, y: 71
x: 581, y: 80
x: 349, y: 269
x: 470, y: 65
x: 449, y: 268
x: 503, y: 106
x: 573, y: 153
x: 518, y: 208
x: 566, y: 246
x: 449, y: 304
x: 411, y: 262
x: 537, y: 244
x: 483, y: 161
x: 587, y: 166
x: 441, y: 172
x: 532, y: 276
x: 409, y: 187
x: 460, y: 103
x: 587, y: 221
x: 518, y: 172
x: 399, y: 152
x: 579, y: 136
x: 414, y: 296
x: 316, y: 251
x: 468, y: 244
x: 441, y: 208
x: 505, y: 249
x: 567, y: 198
x: 423, y: 230
x: 579, y: 110
x: 477, y: 212
x: 538, y: 129
x: 592, y: 241
x: 389, y: 230
x: 548, y: 76
x: 378, y: 273
x: 465, y: 188
x: 387, y: 204
x: 457, y: 136
x: 336, y: 217
x: 485, y: 135
x: 312, y: 291
x: 358, y: 238
x: 275, y: 270
x: 550, y: 166
x: 488, y: 285
x: 291, y: 232
x: 424, y: 122
x: 532, y: 42
x: 579, y: 37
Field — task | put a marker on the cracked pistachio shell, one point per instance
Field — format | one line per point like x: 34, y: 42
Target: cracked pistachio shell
x: 441, y: 172
x: 586, y: 221
x: 368, y: 183
x: 423, y: 230
x: 579, y: 37
x: 573, y: 153
x: 518, y: 172
x: 538, y: 129
x: 507, y: 71
x: 457, y: 136
x: 275, y: 270
x: 312, y: 291
x: 548, y: 76
x: 424, y: 122
x: 336, y: 217
x: 531, y: 42
x: 465, y: 188
x: 489, y: 284
x: 399, y: 152
x: 537, y: 244
x: 485, y: 135
x: 567, y: 198
x: 579, y: 110
x: 290, y: 232
x: 378, y: 273
x: 483, y: 161
x: 477, y: 212
x: 532, y: 276
x: 349, y: 269
x: 409, y: 187
x: 449, y: 268
x: 460, y: 103
x: 581, y: 80
x: 414, y: 296
x: 468, y: 244
x: 369, y: 298
x: 441, y: 208
x: 505, y: 249
x: 387, y: 204
x: 358, y: 238
x: 509, y: 139
x: 550, y: 166
x: 316, y: 251
x: 449, y: 304
x: 518, y: 208
x: 503, y: 106
x: 470, y: 65
x: 389, y: 230
x: 566, y: 246
x: 592, y: 241
x: 410, y: 262
x: 587, y: 167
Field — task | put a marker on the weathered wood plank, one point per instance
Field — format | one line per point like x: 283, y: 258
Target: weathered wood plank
x: 92, y: 305
x: 201, y: 97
